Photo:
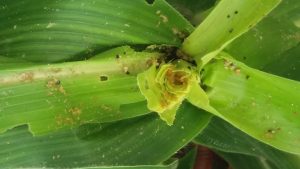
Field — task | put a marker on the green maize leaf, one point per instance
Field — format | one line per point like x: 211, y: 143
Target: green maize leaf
x: 232, y: 143
x: 279, y: 31
x: 228, y: 20
x: 52, y: 31
x: 263, y: 105
x: 49, y: 97
x: 124, y: 143
x: 10, y: 63
x: 287, y: 64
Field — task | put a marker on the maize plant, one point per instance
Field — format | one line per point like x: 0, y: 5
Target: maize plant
x: 150, y: 84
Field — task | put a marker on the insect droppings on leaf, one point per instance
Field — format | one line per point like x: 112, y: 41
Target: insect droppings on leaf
x: 54, y: 85
x: 126, y: 70
x: 58, y: 82
x: 103, y: 78
x: 270, y: 133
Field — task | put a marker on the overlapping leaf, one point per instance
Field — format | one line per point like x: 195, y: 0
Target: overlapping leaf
x: 52, y: 31
x: 129, y: 142
x: 241, y: 150
x: 50, y: 97
x: 286, y: 65
x: 279, y: 31
x: 246, y: 97
x: 228, y: 20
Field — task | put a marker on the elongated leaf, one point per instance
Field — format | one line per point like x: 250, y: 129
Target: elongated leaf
x: 232, y: 143
x: 51, y: 31
x: 226, y: 22
x: 279, y: 31
x: 128, y: 142
x: 263, y: 105
x: 49, y: 97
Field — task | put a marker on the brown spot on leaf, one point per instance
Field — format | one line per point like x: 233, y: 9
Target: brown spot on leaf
x: 106, y: 107
x: 54, y: 85
x: 270, y: 133
x: 56, y: 70
x: 62, y: 121
x: 179, y: 33
x: 26, y: 77
x: 164, y: 18
x: 237, y: 71
x: 149, y: 62
x: 75, y: 111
